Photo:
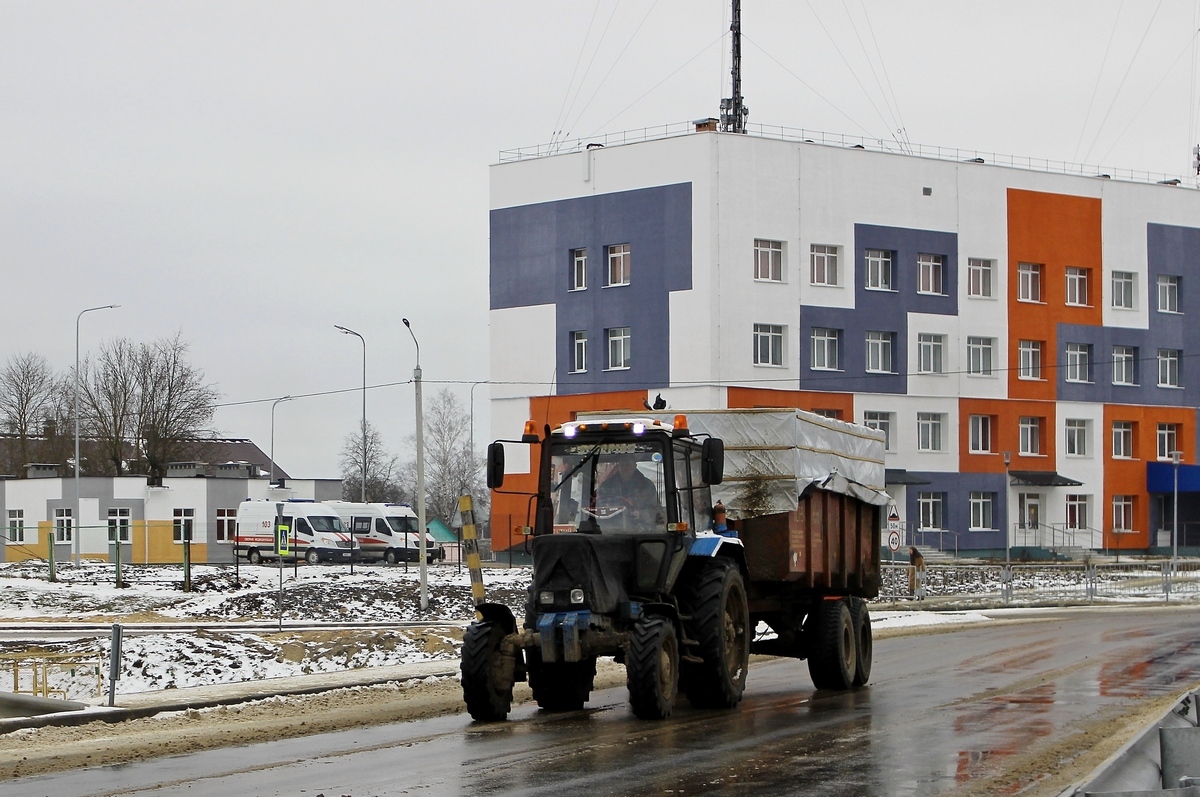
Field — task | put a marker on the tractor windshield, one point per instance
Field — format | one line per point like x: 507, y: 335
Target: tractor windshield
x: 602, y: 488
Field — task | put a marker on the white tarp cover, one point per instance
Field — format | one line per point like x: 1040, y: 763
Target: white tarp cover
x: 773, y: 455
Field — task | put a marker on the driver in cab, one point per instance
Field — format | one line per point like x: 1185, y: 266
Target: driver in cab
x: 626, y: 486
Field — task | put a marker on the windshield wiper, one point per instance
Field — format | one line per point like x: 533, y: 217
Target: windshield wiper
x: 575, y: 469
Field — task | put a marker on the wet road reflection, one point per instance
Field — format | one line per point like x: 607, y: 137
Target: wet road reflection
x: 943, y: 710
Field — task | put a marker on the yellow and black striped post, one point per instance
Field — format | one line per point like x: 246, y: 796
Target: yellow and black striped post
x: 466, y: 508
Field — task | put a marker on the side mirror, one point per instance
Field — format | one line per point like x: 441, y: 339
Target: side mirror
x: 712, y: 460
x: 495, y: 465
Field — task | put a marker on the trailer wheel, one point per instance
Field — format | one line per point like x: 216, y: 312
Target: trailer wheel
x: 312, y: 557
x: 390, y: 557
x: 562, y: 686
x: 652, y: 668
x: 721, y: 623
x: 832, y: 659
x: 862, y: 640
x: 487, y: 690
x: 254, y: 557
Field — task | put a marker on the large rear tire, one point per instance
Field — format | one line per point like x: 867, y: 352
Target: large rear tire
x: 652, y: 668
x: 721, y: 624
x: 562, y: 686
x: 863, y: 642
x: 487, y: 690
x: 832, y: 659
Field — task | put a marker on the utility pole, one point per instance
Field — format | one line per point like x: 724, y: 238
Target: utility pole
x: 733, y: 110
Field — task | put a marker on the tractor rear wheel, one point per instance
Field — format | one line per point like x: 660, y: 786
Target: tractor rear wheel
x: 832, y: 658
x: 652, y: 668
x: 721, y: 624
x: 562, y: 686
x: 486, y: 682
x: 862, y: 639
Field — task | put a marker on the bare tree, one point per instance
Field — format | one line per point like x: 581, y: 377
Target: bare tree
x: 452, y: 467
x: 108, y: 388
x: 175, y: 407
x: 27, y: 392
x: 383, y: 470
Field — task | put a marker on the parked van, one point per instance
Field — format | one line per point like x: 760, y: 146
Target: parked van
x: 315, y: 532
x: 386, y: 532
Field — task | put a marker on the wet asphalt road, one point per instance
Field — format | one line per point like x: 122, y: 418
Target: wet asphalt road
x: 943, y: 711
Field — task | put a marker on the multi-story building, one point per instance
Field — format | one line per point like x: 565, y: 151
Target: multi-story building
x: 991, y: 319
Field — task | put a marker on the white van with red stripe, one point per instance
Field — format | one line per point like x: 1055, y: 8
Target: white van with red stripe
x: 386, y: 532
x: 315, y: 532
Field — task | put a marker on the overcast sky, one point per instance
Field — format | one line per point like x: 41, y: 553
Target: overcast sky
x: 252, y: 173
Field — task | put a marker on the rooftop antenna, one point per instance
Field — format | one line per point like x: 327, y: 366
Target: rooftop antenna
x: 733, y: 111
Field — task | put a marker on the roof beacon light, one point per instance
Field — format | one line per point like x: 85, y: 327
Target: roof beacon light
x: 680, y: 428
x: 530, y: 435
x: 639, y: 428
x: 568, y: 431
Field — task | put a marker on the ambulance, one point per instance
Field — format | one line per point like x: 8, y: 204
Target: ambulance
x: 314, y: 532
x: 386, y: 532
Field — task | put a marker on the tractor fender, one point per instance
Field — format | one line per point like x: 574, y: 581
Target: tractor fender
x: 499, y: 614
x: 711, y: 546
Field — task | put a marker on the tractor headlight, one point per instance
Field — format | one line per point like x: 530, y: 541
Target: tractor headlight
x: 577, y: 595
x: 546, y: 597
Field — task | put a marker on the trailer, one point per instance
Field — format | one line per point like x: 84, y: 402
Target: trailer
x: 665, y: 541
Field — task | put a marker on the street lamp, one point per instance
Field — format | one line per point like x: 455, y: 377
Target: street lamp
x: 78, y: 509
x: 362, y: 340
x: 1007, y: 518
x: 420, y: 473
x: 1176, y: 456
x: 271, y: 480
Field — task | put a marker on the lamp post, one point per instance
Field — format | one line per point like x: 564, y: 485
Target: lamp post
x: 1176, y: 456
x: 362, y: 340
x: 1007, y: 519
x: 420, y: 473
x: 78, y: 509
x: 271, y: 480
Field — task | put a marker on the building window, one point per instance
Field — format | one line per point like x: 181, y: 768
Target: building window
x: 979, y: 278
x: 16, y: 526
x: 578, y: 269
x: 879, y: 270
x: 1122, y: 289
x: 979, y: 356
x: 1168, y: 294
x: 618, y: 264
x: 929, y: 431
x: 118, y: 524
x: 1168, y: 367
x: 1078, y: 435
x: 825, y: 348
x: 1122, y: 513
x: 1079, y: 362
x: 64, y: 526
x: 981, y: 434
x: 1168, y: 439
x: 1077, y: 286
x: 883, y: 422
x: 226, y: 524
x: 618, y: 348
x: 1122, y: 439
x: 1031, y: 436
x: 1029, y: 359
x: 828, y: 413
x: 929, y: 353
x: 182, y: 524
x: 768, y: 260
x: 929, y: 510
x: 1124, y: 365
x: 1029, y: 282
x: 929, y: 273
x: 1077, y: 511
x: 981, y: 510
x: 823, y: 265
x: 579, y: 351
x: 879, y: 352
x: 768, y: 344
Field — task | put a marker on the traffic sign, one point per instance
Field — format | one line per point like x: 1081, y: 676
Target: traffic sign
x: 894, y: 540
x: 281, y: 539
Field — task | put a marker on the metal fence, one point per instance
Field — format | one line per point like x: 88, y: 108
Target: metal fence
x: 948, y: 586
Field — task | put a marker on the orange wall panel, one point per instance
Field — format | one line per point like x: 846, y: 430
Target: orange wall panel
x: 811, y: 400
x: 1006, y: 435
x: 1056, y: 231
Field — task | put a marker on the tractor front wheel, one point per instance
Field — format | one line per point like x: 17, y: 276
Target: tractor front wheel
x: 652, y: 668
x: 487, y: 682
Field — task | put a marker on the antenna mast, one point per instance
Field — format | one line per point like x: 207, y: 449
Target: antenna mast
x: 733, y: 111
